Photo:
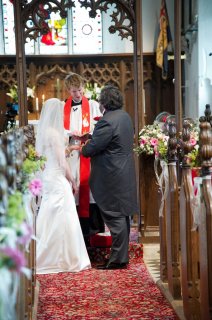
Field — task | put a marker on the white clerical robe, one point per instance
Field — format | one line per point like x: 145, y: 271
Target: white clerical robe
x: 76, y: 125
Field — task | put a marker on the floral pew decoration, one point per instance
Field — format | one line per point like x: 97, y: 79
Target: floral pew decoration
x: 153, y: 141
x: 193, y: 157
x: 16, y: 232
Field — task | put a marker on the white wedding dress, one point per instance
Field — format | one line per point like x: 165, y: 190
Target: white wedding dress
x: 60, y: 245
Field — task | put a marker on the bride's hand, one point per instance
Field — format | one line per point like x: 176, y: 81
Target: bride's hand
x: 70, y: 148
x: 74, y: 147
x: 75, y: 188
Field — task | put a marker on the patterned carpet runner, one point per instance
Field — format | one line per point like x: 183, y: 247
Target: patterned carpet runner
x: 93, y: 294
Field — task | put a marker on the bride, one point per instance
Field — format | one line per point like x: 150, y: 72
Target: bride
x: 60, y: 246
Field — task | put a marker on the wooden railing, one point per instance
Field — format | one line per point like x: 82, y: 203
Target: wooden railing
x: 186, y: 226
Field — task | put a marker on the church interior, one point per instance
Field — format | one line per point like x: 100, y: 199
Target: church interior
x: 158, y: 53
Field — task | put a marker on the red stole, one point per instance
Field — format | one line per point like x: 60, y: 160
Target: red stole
x: 84, y: 196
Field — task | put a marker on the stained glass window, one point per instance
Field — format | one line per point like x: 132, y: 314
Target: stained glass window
x: 8, y: 23
x: 87, y: 32
x: 56, y: 37
x: 78, y: 33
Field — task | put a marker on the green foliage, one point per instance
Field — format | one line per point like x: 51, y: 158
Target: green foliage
x: 13, y: 93
x: 16, y: 212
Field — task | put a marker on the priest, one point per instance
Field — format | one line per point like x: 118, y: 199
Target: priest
x: 79, y: 118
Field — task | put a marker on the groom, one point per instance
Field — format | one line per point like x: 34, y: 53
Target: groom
x: 112, y: 179
x: 79, y: 114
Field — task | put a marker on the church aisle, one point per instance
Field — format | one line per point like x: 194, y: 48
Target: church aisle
x: 103, y: 294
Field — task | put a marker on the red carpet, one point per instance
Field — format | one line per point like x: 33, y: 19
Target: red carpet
x: 103, y: 295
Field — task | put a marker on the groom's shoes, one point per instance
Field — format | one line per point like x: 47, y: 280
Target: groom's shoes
x: 112, y: 266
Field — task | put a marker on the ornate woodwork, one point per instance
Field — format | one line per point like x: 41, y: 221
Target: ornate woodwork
x: 30, y: 17
x: 205, y: 227
x: 206, y: 141
x: 189, y: 238
x: 172, y: 217
x: 163, y: 247
x: 42, y: 72
x: 123, y: 17
x: 150, y: 200
x: 33, y: 15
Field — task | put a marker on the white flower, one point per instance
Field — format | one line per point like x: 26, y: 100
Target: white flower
x: 92, y: 91
x: 30, y: 92
x: 88, y: 93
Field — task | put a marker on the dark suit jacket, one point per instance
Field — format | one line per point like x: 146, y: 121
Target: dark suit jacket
x: 112, y: 179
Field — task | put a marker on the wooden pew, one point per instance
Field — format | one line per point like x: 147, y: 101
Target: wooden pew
x: 189, y: 238
x: 205, y: 226
x: 172, y: 217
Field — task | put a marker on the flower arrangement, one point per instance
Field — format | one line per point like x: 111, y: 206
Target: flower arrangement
x: 17, y: 233
x: 32, y: 164
x: 153, y: 141
x: 193, y: 158
x: 92, y: 91
x: 13, y: 93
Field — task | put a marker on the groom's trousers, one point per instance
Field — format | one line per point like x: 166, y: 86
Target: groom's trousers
x: 120, y: 230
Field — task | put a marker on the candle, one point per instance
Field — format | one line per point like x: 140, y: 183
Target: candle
x: 36, y: 105
x: 43, y: 98
x: 58, y: 88
x: 144, y: 102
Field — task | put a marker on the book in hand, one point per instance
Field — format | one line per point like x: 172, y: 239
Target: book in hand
x: 76, y: 139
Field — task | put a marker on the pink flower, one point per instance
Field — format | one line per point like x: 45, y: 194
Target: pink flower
x: 13, y: 258
x: 35, y: 187
x: 154, y: 141
x: 193, y: 141
x: 143, y: 141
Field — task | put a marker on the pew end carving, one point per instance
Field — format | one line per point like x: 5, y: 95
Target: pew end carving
x: 205, y: 227
x: 189, y: 237
x: 172, y: 216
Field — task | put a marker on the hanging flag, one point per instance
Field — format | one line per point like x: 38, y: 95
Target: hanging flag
x: 164, y: 39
